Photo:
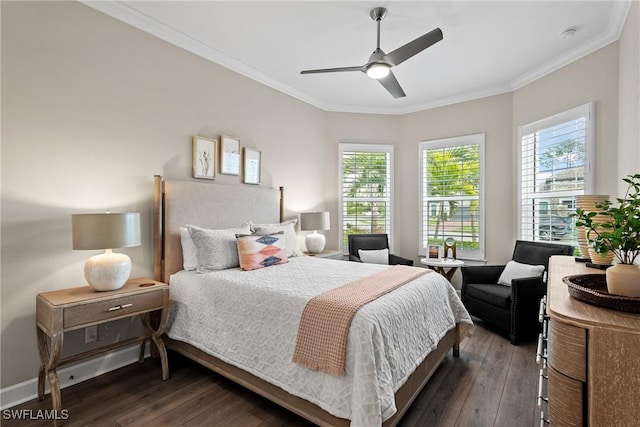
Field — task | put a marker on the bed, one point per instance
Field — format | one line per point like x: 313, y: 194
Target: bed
x: 377, y: 388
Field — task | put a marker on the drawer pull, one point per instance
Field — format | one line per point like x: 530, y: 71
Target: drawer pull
x: 541, y: 397
x: 120, y: 307
x: 541, y: 352
x: 543, y: 421
x: 542, y: 312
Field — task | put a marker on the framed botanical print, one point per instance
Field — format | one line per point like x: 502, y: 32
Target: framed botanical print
x: 204, y: 157
x: 251, y: 166
x: 229, y: 155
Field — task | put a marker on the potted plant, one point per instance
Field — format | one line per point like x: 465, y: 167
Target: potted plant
x: 616, y: 228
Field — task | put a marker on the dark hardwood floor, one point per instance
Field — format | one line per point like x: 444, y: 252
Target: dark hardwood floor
x: 492, y: 384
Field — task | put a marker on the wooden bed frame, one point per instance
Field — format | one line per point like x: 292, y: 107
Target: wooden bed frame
x: 176, y: 203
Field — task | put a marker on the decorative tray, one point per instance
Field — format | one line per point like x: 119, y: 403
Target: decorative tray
x: 592, y: 289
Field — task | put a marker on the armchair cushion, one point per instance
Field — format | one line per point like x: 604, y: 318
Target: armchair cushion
x: 374, y: 256
x: 517, y: 270
x: 497, y: 295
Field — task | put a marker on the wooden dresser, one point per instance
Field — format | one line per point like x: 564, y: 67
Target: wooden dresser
x: 592, y: 360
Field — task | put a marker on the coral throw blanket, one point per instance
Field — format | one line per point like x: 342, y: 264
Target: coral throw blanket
x: 321, y: 344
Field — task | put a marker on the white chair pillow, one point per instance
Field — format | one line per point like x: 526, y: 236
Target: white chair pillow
x: 376, y: 256
x: 516, y: 270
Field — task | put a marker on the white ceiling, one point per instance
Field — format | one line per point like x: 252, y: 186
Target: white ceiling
x: 489, y: 47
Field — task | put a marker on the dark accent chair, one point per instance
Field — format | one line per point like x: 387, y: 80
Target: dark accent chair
x: 512, y: 309
x: 368, y: 242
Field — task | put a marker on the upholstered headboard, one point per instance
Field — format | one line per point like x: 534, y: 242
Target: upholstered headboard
x: 207, y: 205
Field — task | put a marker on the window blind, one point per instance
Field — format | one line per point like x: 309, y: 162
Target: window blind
x: 451, y: 189
x: 554, y: 168
x: 365, y: 190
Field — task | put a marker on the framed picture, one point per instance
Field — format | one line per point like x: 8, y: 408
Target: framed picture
x: 434, y: 251
x: 251, y: 166
x: 229, y: 155
x: 204, y: 157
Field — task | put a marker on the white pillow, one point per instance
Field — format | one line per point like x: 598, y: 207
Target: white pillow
x: 516, y: 270
x: 376, y: 256
x: 189, y: 257
x: 216, y: 249
x: 288, y: 227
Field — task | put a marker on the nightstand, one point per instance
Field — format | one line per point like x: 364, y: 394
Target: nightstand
x: 328, y: 254
x: 58, y: 312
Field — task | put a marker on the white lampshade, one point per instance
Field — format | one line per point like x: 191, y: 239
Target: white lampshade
x: 108, y: 271
x: 315, y: 221
x: 312, y: 221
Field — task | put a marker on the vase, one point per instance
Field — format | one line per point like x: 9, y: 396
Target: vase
x: 601, y: 259
x: 583, y: 243
x: 624, y: 279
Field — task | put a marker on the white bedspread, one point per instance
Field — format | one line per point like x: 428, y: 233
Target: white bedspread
x: 250, y: 319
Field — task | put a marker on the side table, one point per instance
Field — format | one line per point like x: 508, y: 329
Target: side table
x: 58, y: 312
x: 446, y: 267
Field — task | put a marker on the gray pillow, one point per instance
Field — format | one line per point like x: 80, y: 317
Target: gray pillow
x: 216, y: 249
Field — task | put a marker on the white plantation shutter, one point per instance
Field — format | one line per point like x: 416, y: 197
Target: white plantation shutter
x: 555, y: 166
x: 451, y: 187
x: 366, y: 190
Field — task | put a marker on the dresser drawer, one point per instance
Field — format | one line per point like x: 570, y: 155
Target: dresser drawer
x: 568, y: 350
x: 98, y: 311
x: 565, y: 400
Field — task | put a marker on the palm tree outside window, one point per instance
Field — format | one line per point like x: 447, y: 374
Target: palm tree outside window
x: 451, y: 186
x: 366, y: 190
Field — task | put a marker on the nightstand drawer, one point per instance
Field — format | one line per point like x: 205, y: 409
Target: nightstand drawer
x: 115, y: 307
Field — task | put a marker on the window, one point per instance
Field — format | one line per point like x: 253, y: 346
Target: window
x: 555, y: 166
x: 451, y: 188
x: 366, y: 190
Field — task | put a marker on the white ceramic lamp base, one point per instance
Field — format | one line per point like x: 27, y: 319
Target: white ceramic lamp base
x: 108, y: 271
x: 315, y: 242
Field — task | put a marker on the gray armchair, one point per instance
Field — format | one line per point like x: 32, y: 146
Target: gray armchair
x: 373, y: 242
x: 512, y: 309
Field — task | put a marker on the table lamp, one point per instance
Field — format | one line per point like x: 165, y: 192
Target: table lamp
x: 110, y: 270
x: 314, y: 221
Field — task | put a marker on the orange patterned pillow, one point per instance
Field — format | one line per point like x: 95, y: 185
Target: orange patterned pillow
x: 261, y: 251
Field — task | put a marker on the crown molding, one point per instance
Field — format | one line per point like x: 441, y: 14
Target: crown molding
x: 128, y: 15
x: 614, y: 30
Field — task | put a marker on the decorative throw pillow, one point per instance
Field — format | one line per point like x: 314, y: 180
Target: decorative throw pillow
x: 189, y: 257
x: 516, y: 270
x: 216, y: 249
x: 376, y: 256
x: 259, y: 251
x: 288, y: 227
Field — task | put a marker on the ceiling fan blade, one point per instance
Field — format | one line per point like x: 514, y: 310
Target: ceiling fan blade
x: 391, y: 84
x: 332, y: 70
x: 412, y: 48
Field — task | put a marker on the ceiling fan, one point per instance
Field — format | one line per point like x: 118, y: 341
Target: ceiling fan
x: 379, y: 64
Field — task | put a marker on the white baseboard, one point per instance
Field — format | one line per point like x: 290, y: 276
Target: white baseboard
x: 72, y: 374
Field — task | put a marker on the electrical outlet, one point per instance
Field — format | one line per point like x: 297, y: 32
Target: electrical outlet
x: 91, y: 334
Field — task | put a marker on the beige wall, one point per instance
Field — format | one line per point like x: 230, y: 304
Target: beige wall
x: 92, y: 109
x: 592, y: 78
x: 491, y: 116
x: 629, y: 98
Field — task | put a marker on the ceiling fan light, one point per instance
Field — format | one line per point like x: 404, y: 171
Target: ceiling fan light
x: 378, y: 71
